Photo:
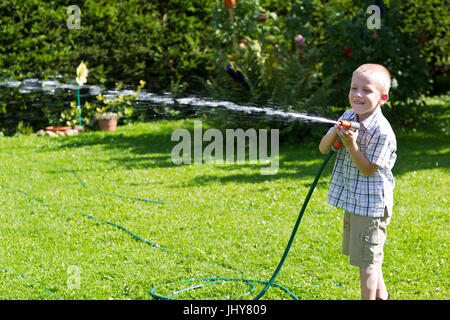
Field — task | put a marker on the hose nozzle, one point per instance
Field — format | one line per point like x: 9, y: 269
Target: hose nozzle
x: 349, y: 124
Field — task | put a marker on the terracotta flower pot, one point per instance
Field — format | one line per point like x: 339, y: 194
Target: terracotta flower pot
x: 229, y: 4
x: 107, y: 124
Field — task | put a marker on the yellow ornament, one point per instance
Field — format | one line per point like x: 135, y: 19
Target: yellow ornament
x: 82, y: 73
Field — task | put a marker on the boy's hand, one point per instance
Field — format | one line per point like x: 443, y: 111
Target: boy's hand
x: 347, y: 135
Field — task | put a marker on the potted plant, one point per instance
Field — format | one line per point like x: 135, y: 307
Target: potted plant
x: 108, y: 114
x: 111, y: 110
x: 107, y: 121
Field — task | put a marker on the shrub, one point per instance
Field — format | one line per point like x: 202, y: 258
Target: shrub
x: 125, y: 40
x: 173, y: 45
x: 344, y: 41
x: 277, y: 73
x: 337, y: 41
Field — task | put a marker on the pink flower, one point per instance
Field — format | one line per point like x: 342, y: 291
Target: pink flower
x: 299, y: 40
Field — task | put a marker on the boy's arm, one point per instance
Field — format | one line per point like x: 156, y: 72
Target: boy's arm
x: 328, y: 140
x: 348, y: 138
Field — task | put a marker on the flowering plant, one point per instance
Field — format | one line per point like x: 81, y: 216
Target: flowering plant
x: 117, y: 107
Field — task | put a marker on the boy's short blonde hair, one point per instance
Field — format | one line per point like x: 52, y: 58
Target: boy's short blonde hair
x: 383, y: 75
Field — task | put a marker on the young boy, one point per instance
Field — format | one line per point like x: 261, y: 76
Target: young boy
x: 362, y: 183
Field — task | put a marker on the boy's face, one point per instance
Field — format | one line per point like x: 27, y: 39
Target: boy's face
x: 365, y: 94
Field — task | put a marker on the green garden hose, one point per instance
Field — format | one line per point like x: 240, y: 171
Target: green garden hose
x: 297, y: 223
x: 271, y: 282
x: 210, y: 281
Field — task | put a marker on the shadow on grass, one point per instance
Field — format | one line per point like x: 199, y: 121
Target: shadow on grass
x: 421, y: 152
x: 153, y: 150
x: 416, y: 151
x: 138, y: 151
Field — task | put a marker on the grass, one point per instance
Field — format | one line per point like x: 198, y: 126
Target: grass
x: 217, y: 220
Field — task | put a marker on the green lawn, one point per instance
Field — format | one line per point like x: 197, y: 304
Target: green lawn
x: 217, y: 220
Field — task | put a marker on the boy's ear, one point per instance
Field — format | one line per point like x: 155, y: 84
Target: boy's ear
x: 384, y: 98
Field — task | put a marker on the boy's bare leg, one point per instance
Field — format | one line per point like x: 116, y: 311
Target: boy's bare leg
x: 381, y: 288
x: 372, y: 284
x: 369, y: 283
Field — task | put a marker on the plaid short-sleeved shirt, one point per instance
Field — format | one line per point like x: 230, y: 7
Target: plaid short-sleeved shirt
x: 352, y: 191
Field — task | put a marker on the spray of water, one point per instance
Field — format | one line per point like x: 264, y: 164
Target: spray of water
x: 249, y: 109
x: 50, y: 86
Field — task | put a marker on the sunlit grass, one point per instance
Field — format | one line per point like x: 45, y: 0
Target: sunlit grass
x: 215, y: 221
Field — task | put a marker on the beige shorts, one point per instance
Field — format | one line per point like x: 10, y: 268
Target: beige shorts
x: 363, y: 239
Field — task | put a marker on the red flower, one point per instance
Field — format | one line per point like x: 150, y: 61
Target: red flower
x: 262, y: 17
x: 348, y: 52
